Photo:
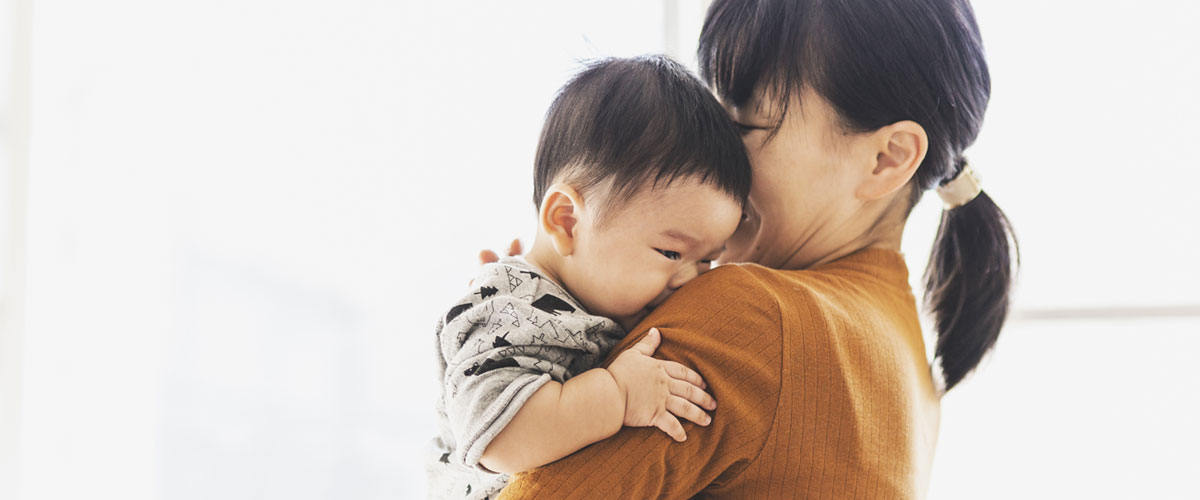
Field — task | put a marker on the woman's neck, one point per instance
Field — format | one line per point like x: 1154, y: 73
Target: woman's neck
x: 890, y: 242
x: 885, y: 231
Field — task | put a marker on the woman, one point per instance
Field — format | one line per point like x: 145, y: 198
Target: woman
x: 851, y: 110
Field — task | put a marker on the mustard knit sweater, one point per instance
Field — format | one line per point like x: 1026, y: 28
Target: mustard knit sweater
x: 822, y: 385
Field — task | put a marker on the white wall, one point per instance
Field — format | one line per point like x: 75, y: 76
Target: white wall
x: 1088, y: 144
x: 244, y: 216
x: 15, y: 66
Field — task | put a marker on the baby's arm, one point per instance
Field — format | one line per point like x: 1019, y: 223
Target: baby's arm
x: 635, y: 390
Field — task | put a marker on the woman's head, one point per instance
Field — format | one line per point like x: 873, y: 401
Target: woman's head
x: 851, y: 110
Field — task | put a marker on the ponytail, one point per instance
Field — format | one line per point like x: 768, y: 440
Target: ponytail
x: 968, y: 283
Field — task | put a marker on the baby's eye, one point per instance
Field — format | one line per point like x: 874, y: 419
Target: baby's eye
x: 669, y: 254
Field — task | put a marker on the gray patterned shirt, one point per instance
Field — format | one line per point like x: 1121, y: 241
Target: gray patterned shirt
x: 499, y: 345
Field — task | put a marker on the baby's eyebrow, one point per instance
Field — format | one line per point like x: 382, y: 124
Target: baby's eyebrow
x: 687, y: 240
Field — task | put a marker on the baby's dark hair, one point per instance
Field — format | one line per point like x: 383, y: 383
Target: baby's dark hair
x: 623, y: 123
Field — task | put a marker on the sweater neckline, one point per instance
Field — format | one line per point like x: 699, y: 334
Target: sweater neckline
x: 882, y: 262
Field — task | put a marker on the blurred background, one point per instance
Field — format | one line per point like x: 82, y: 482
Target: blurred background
x: 227, y: 229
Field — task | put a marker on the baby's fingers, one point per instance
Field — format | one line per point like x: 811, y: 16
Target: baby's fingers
x: 488, y: 256
x: 683, y: 408
x: 692, y: 393
x: 678, y: 371
x: 670, y: 425
x: 649, y: 343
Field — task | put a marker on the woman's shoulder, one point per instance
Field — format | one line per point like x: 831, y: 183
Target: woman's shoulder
x: 750, y: 282
x: 869, y: 274
x: 721, y: 312
x: 741, y: 274
x: 731, y: 294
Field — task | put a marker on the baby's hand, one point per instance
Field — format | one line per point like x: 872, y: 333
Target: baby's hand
x: 657, y: 391
x: 488, y: 256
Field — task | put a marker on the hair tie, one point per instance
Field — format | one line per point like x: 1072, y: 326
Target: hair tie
x: 960, y: 190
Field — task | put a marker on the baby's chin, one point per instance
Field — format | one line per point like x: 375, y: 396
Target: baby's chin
x: 628, y: 322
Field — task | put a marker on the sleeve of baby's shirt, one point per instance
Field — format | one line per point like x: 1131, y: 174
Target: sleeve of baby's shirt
x: 497, y: 358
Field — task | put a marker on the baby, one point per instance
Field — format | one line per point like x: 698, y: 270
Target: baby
x: 640, y: 178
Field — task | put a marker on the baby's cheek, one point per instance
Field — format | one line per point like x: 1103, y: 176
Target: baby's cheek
x: 631, y: 298
x: 608, y: 298
x: 649, y: 296
x: 626, y: 304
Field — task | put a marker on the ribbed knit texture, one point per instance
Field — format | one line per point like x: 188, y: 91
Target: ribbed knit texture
x: 822, y: 386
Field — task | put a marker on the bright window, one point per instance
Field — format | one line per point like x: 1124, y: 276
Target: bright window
x: 241, y: 220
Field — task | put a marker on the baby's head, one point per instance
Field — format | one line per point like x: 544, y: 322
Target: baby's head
x: 640, y: 178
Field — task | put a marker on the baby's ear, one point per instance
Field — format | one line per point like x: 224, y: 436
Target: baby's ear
x: 558, y: 216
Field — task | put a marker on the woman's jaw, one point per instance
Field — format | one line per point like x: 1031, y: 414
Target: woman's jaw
x: 742, y: 245
x: 788, y: 241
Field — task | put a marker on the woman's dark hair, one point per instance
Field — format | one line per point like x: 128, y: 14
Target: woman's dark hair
x: 878, y: 62
x: 626, y: 122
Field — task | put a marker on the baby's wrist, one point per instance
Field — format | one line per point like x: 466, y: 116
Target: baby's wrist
x: 618, y: 395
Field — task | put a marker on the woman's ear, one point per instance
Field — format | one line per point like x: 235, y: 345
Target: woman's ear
x: 899, y: 149
x: 558, y: 216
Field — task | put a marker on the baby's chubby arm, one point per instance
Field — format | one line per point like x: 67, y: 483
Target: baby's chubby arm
x: 635, y: 390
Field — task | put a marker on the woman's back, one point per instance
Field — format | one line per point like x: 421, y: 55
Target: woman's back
x: 822, y: 386
x: 858, y: 411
